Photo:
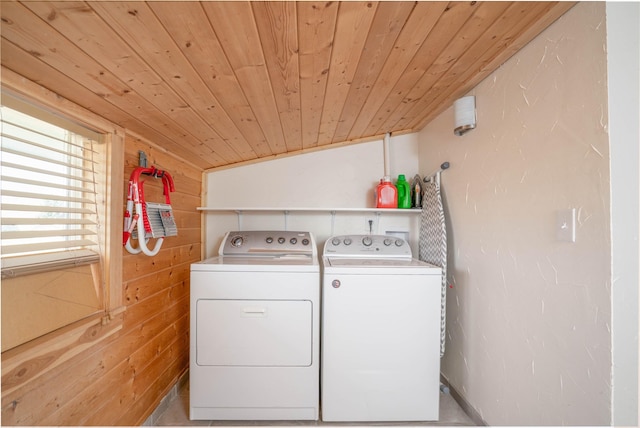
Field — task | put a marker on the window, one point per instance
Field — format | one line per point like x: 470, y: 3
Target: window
x: 52, y: 225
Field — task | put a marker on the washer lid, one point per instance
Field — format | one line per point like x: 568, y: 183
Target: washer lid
x: 377, y: 267
x: 371, y: 262
x: 344, y: 261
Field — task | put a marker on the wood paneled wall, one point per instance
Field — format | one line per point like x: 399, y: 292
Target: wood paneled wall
x: 121, y: 379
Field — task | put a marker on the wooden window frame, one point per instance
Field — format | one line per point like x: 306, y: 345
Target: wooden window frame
x: 25, y: 362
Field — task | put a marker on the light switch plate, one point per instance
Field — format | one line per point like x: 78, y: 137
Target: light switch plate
x: 566, y: 225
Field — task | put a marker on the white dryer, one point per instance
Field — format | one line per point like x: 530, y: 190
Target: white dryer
x: 254, y: 330
x: 380, y: 331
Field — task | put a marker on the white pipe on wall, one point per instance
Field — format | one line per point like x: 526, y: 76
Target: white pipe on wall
x: 385, y: 144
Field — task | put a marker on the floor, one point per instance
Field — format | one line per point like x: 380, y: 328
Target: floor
x: 176, y: 413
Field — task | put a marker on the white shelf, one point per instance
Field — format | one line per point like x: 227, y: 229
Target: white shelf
x: 329, y: 210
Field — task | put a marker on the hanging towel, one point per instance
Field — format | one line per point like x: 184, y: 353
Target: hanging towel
x: 433, y: 240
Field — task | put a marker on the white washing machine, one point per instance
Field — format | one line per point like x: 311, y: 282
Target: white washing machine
x: 254, y: 339
x: 380, y: 331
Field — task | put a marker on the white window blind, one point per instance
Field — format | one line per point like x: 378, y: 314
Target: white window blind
x: 48, y: 195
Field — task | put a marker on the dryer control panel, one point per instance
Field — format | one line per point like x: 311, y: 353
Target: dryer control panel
x: 267, y: 243
x: 365, y: 246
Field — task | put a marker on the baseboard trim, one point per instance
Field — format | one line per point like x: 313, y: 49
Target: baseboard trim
x: 464, y: 404
x: 166, y: 400
x: 173, y: 392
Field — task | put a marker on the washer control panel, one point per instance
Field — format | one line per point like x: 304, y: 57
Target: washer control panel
x: 364, y: 246
x: 267, y: 242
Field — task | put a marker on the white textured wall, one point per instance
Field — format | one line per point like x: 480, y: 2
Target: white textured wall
x: 529, y: 340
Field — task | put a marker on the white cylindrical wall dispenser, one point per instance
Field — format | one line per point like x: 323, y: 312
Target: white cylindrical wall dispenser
x: 464, y: 111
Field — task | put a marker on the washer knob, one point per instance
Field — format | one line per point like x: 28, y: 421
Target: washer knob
x: 335, y: 241
x: 387, y: 242
x: 293, y: 241
x: 281, y: 240
x: 269, y: 240
x: 399, y: 242
x: 237, y: 241
x: 305, y: 241
x: 347, y: 241
x: 367, y: 241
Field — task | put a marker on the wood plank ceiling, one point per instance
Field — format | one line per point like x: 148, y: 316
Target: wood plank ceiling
x: 220, y: 83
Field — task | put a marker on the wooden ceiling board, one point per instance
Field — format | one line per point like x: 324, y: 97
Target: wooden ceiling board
x: 191, y: 101
x: 51, y: 48
x: 236, y: 30
x: 527, y: 20
x: 277, y: 26
x: 449, y: 22
x: 316, y: 23
x: 447, y: 45
x: 383, y: 33
x: 221, y: 83
x: 352, y: 27
x: 193, y: 34
x: 456, y: 47
x: 77, y: 22
x: 415, y: 31
x: 468, y: 63
x: 40, y: 72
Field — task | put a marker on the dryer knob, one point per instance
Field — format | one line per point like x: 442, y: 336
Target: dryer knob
x: 367, y: 241
x: 305, y: 241
x: 281, y: 240
x: 335, y: 283
x: 237, y: 241
x: 399, y: 242
x: 335, y: 241
x: 347, y: 241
